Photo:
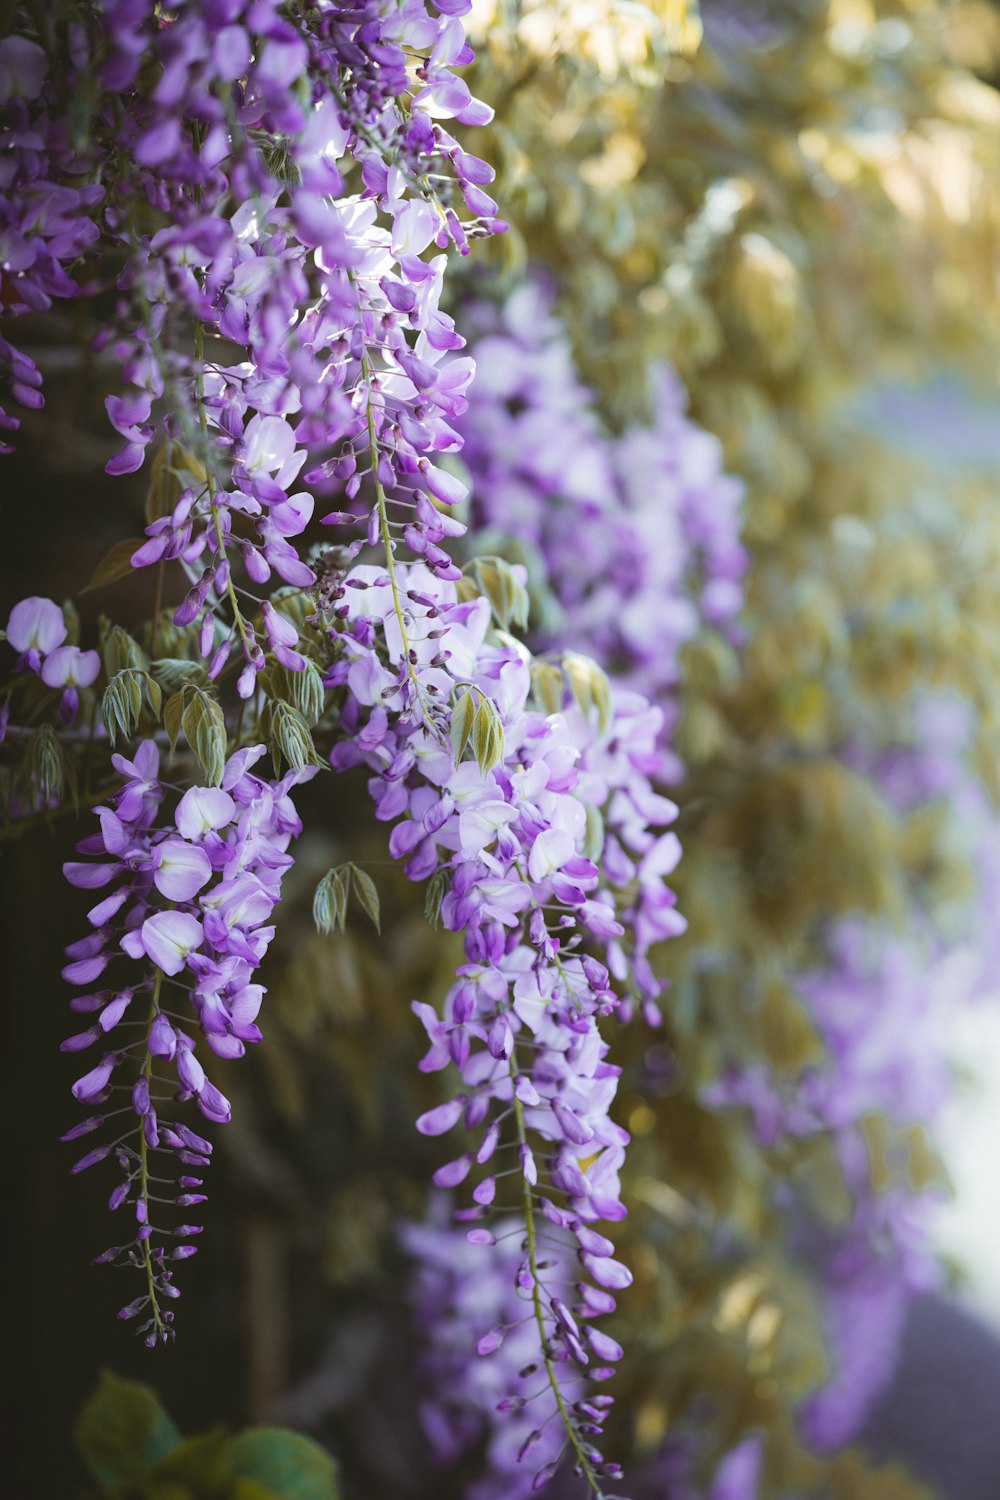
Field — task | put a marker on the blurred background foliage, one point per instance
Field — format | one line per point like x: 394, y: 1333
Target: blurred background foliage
x: 792, y: 204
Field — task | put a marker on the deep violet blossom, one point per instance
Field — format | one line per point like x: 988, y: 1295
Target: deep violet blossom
x: 176, y: 943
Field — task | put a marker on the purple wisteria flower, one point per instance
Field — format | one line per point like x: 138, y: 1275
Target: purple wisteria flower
x: 637, y: 536
x: 316, y: 313
x: 176, y: 944
x: 507, y: 838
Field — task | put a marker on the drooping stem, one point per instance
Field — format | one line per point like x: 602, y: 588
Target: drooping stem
x: 199, y: 382
x: 531, y: 1235
x: 147, y: 1257
x: 383, y: 521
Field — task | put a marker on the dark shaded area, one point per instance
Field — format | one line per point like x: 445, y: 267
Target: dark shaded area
x: 941, y: 1414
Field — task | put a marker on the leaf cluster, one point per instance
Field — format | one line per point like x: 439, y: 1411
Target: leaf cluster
x: 132, y: 1451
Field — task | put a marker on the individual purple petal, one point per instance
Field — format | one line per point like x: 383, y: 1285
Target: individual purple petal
x: 68, y: 666
x: 180, y: 870
x: 168, y: 938
x: 36, y: 624
x: 442, y: 1118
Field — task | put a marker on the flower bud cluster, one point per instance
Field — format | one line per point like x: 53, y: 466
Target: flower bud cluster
x: 175, y: 945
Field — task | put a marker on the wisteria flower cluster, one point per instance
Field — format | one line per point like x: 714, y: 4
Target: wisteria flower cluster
x: 268, y: 200
x: 542, y: 893
x: 191, y: 906
x: 256, y: 205
x: 637, y: 535
x: 273, y: 194
x: 882, y: 1003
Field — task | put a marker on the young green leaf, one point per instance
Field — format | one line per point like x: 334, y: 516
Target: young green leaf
x: 548, y: 686
x: 590, y: 687
x: 283, y: 1464
x: 330, y: 902
x: 175, y: 672
x: 205, y: 731
x: 462, y: 717
x: 367, y: 893
x: 120, y: 650
x: 287, y: 734
x: 114, y: 564
x: 172, y: 711
x: 487, y: 736
x: 437, y: 887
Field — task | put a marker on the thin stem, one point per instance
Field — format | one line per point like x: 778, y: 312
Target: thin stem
x: 144, y: 1178
x: 199, y: 386
x: 536, y: 1299
x: 383, y: 518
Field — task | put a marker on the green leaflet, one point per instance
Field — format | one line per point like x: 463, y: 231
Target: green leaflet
x: 133, y: 1451
x: 197, y: 712
x: 332, y: 893
x: 121, y: 1432
x: 287, y: 734
x: 121, y: 706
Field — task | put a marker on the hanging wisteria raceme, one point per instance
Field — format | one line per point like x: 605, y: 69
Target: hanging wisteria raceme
x: 175, y: 944
x: 647, y: 518
x: 258, y: 193
x: 268, y: 314
x: 266, y: 305
x: 882, y: 1003
x: 503, y: 1396
x: 634, y: 537
x: 509, y: 839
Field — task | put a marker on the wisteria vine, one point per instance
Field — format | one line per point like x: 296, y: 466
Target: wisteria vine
x: 258, y: 193
x: 255, y: 206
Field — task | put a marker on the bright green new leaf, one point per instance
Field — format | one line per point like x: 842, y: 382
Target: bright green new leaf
x: 205, y: 730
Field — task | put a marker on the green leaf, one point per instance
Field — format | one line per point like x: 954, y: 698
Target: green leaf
x: 175, y: 672
x: 287, y: 733
x: 593, y: 843
x: 122, y: 705
x: 46, y: 764
x: 120, y: 650
x: 289, y: 1465
x: 121, y: 1431
x: 205, y: 730
x: 198, y: 1466
x: 123, y: 698
x: 367, y: 893
x: 303, y: 690
x: 487, y: 736
x: 330, y: 901
x: 437, y: 887
x: 548, y: 686
x: 172, y: 711
x: 462, y: 716
x: 590, y: 687
x: 496, y: 579
x: 153, y: 694
x: 115, y: 564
